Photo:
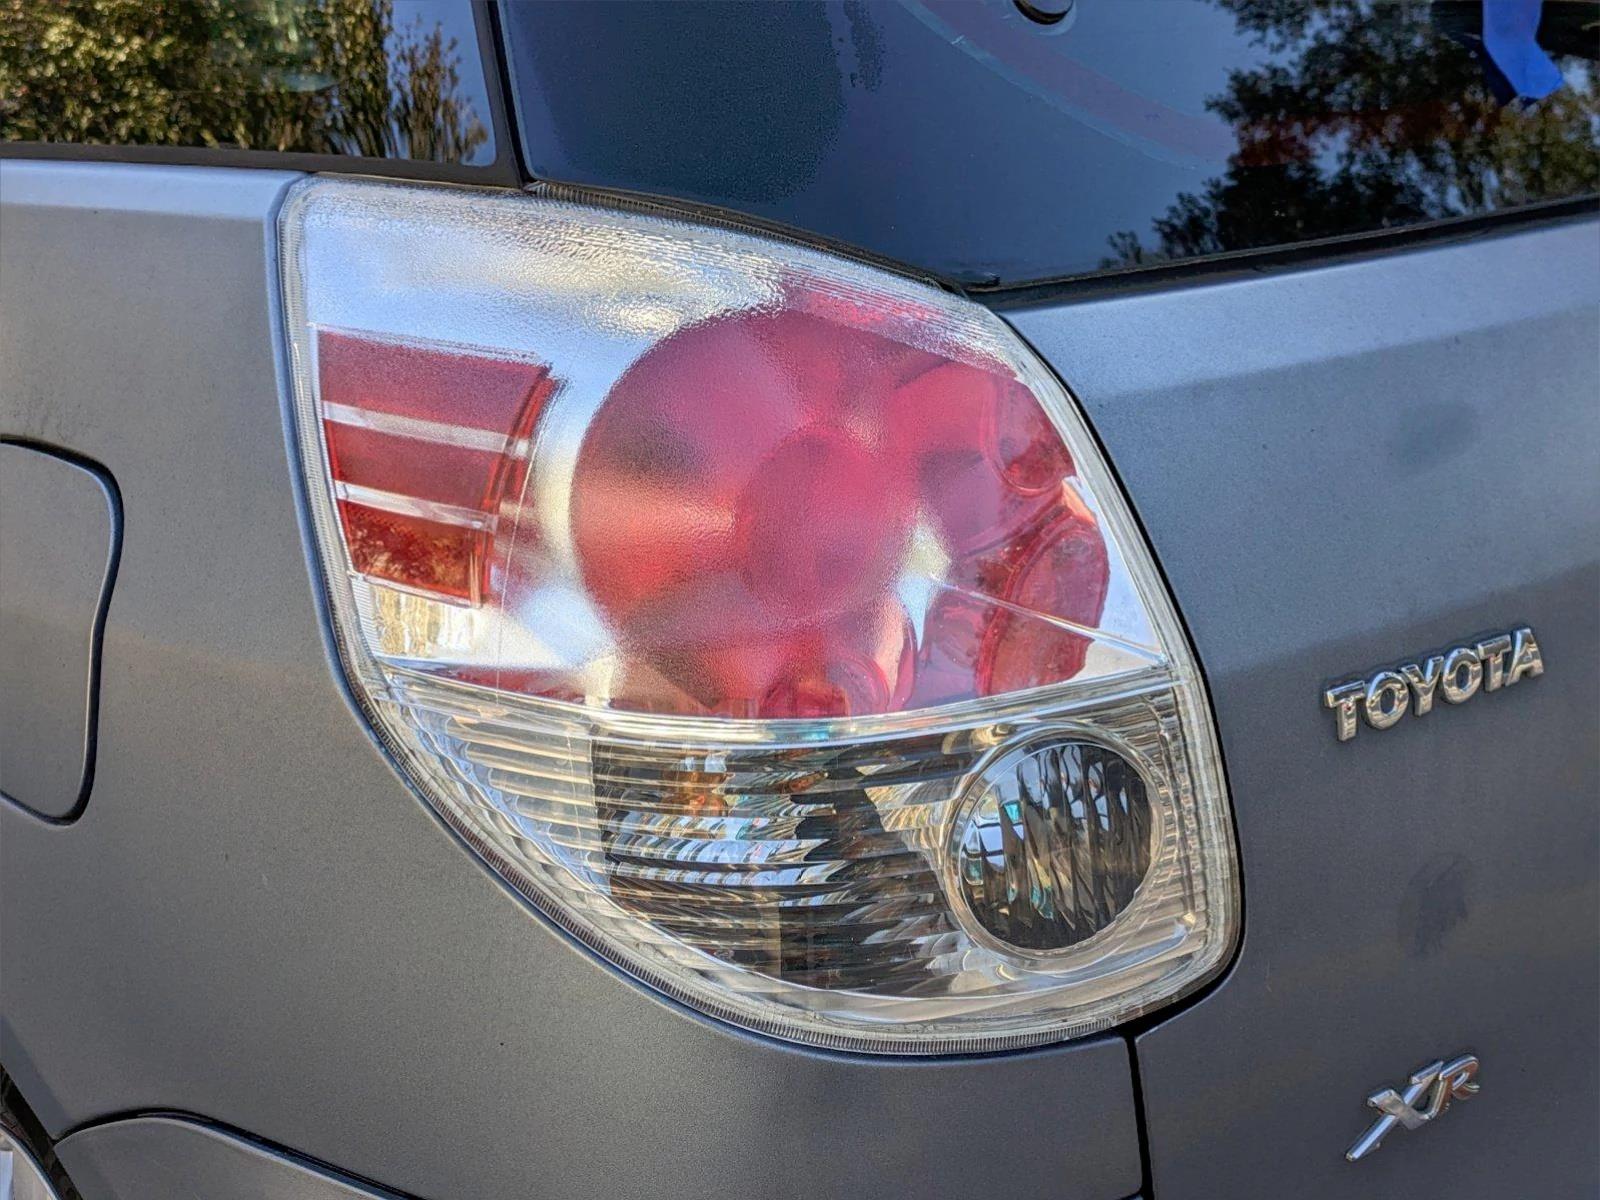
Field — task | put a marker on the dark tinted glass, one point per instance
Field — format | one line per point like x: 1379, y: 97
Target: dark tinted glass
x: 374, y: 78
x: 967, y: 139
x: 1338, y: 118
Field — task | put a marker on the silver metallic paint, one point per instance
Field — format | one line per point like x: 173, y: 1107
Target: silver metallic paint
x: 1438, y: 887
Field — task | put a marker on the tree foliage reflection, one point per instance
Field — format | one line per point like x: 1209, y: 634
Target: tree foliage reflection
x: 317, y: 76
x: 1365, y: 116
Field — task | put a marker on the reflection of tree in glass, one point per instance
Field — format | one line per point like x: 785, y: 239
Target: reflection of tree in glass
x: 319, y: 76
x: 1377, y: 116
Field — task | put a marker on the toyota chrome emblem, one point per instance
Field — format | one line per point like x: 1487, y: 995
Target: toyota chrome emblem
x: 1456, y: 675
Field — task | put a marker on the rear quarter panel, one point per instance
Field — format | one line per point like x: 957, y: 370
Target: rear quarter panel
x: 255, y: 922
x: 1340, y: 468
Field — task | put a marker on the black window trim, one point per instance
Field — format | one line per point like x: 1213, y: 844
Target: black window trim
x: 1258, y: 260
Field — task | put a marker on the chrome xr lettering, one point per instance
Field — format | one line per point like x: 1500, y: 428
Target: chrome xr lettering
x: 1455, y: 676
x: 1439, y: 1082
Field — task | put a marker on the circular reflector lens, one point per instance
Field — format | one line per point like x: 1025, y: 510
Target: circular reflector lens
x: 1052, y: 839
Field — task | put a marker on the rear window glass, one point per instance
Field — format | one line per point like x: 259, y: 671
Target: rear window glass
x: 369, y: 78
x: 967, y: 139
x: 1318, y: 120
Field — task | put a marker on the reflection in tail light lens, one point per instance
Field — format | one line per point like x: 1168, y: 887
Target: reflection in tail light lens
x: 695, y: 579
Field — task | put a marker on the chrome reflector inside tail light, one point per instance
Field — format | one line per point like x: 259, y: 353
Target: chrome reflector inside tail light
x: 768, y: 620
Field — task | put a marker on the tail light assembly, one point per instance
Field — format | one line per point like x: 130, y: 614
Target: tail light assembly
x: 769, y: 621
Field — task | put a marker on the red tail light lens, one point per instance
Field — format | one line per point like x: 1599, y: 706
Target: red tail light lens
x: 747, y: 498
x: 744, y: 504
x: 424, y: 446
x: 738, y: 602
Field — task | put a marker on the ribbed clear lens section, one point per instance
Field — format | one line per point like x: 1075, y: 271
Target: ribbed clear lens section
x: 768, y: 621
x: 1053, y: 841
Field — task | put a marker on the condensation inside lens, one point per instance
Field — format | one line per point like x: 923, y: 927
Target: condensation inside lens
x: 710, y: 685
x: 1054, y: 840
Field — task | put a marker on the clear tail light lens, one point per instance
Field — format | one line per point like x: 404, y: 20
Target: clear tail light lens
x: 769, y: 621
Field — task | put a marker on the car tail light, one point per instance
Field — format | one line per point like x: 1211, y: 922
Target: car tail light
x: 768, y: 620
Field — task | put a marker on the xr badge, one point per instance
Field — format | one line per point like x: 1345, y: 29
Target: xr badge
x: 1440, y: 1082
